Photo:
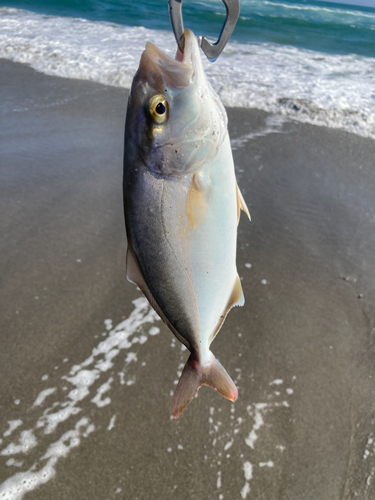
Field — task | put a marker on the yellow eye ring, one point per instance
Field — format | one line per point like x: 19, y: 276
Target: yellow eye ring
x: 157, y: 108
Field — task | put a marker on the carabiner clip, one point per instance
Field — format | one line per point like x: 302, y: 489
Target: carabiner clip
x: 212, y: 50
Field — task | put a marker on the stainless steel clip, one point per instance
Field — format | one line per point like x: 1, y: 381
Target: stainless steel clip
x: 212, y: 50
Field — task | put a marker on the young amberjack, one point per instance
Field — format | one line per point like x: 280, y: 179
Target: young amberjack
x: 182, y: 206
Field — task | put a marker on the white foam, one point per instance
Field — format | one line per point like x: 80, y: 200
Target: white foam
x: 248, y: 470
x: 80, y: 378
x: 154, y: 330
x: 26, y: 442
x: 108, y: 324
x: 245, y: 490
x: 111, y: 423
x: 218, y: 481
x: 15, y: 487
x: 370, y: 447
x: 42, y: 396
x: 228, y: 445
x: 273, y: 125
x: 12, y: 462
x: 269, y: 463
x: 344, y: 13
x: 258, y: 423
x: 13, y: 424
x: 245, y: 429
x: 97, y: 399
x: 50, y: 420
x: 323, y: 89
x: 277, y: 381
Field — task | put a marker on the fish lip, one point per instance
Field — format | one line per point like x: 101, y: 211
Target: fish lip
x: 189, y: 42
x: 178, y: 72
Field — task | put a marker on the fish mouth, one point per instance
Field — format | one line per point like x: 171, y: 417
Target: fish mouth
x: 162, y: 70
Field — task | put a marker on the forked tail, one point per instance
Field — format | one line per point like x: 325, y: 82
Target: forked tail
x: 195, y: 375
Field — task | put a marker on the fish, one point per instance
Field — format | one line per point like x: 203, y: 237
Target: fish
x: 182, y: 206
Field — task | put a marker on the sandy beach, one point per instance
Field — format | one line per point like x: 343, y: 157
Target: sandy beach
x: 88, y: 371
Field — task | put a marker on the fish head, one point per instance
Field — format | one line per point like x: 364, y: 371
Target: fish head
x: 175, y: 121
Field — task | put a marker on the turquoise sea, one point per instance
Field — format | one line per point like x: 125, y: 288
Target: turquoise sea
x: 308, y: 60
x: 323, y: 26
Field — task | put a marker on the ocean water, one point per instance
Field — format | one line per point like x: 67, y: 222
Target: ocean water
x: 303, y: 59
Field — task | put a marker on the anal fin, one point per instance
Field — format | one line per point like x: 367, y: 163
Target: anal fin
x: 241, y: 204
x: 237, y: 298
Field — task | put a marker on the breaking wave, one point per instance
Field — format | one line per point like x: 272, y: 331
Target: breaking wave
x: 333, y: 90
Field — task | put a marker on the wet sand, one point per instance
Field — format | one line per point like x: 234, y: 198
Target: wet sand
x: 87, y: 375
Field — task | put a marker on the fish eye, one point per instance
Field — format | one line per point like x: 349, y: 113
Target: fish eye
x: 157, y: 108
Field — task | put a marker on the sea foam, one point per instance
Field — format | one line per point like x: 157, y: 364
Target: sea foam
x: 45, y: 438
x: 323, y: 89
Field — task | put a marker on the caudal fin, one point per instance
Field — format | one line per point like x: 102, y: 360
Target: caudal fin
x: 195, y: 375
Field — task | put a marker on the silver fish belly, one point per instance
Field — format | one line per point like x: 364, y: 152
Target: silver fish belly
x: 182, y: 206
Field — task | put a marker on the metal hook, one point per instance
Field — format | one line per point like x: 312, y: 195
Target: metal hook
x: 212, y: 50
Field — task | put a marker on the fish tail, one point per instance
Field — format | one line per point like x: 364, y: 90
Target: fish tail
x: 195, y: 375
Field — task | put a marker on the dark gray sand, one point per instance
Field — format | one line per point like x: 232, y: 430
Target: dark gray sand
x: 85, y: 408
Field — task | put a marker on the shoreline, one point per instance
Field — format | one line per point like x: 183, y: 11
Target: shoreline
x: 301, y: 349
x: 309, y: 86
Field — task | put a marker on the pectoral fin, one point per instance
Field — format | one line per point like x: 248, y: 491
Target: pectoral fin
x: 197, y: 201
x: 241, y: 204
